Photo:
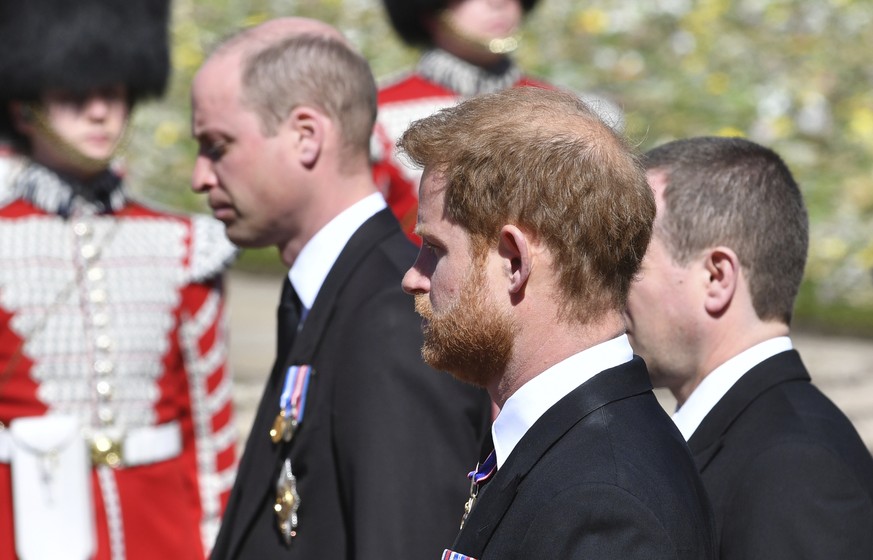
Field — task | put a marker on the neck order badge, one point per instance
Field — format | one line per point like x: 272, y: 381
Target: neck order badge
x: 478, y: 478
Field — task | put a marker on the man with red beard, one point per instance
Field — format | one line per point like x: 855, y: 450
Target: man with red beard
x: 534, y: 217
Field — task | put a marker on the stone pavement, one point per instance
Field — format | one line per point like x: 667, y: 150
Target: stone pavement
x: 841, y: 367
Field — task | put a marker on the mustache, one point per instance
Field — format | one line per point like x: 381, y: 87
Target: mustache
x: 423, y: 307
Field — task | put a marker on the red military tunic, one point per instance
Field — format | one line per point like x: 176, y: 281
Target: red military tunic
x: 113, y: 312
x: 440, y: 80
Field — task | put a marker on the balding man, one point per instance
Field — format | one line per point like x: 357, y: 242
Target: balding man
x: 358, y: 450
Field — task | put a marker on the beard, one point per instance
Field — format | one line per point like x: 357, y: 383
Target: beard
x: 471, y: 339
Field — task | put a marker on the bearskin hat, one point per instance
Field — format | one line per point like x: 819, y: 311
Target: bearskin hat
x: 79, y: 45
x: 407, y: 17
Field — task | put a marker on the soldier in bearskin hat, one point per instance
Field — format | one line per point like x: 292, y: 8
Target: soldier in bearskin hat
x: 467, y: 51
x: 116, y: 431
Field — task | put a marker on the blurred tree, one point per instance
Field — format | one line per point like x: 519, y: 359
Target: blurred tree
x: 795, y: 75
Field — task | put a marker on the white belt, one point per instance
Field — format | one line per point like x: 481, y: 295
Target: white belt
x: 139, y: 446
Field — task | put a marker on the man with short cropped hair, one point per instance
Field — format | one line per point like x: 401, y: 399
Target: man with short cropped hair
x: 358, y: 450
x: 786, y: 471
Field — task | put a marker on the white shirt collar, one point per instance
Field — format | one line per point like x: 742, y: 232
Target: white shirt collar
x: 318, y: 256
x: 535, y: 397
x: 715, y: 385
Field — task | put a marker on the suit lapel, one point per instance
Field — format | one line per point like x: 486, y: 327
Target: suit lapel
x: 259, y: 461
x: 369, y: 235
x: 495, y: 499
x: 259, y: 467
x: 707, y: 439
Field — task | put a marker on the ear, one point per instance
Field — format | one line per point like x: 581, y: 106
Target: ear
x: 515, y: 248
x: 723, y: 268
x: 22, y: 117
x: 308, y: 127
x: 431, y: 22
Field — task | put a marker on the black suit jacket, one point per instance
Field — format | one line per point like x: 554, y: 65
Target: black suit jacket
x: 604, y: 473
x: 385, y: 443
x: 788, y: 475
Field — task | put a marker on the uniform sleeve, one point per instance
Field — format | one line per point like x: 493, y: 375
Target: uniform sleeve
x: 203, y: 339
x: 204, y: 343
x: 798, y: 500
x: 405, y: 437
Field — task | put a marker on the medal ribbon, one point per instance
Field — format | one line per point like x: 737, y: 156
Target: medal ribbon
x: 485, y: 471
x: 452, y: 555
x: 481, y: 475
x: 293, y: 398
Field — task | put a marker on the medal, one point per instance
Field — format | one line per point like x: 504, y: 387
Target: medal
x: 290, y: 426
x: 279, y: 425
x: 478, y: 478
x: 291, y: 403
x: 468, y: 507
x: 287, y: 503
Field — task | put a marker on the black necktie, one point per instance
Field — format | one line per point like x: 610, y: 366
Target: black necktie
x: 287, y: 320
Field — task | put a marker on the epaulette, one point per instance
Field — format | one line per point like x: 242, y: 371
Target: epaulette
x: 211, y: 251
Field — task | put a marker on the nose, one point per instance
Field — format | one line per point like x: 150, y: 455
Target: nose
x: 97, y: 106
x: 414, y: 282
x: 203, y: 177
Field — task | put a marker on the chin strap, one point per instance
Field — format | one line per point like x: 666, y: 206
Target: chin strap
x: 35, y: 113
x: 497, y: 45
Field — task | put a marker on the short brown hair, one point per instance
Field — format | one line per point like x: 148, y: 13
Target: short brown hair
x: 315, y: 70
x: 733, y: 192
x: 544, y: 161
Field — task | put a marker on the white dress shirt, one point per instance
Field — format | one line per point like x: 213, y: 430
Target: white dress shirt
x: 715, y: 385
x: 535, y: 397
x: 318, y: 256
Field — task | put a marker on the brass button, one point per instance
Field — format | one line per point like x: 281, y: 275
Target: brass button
x: 82, y: 229
x: 97, y: 295
x: 104, y: 388
x: 100, y: 319
x: 95, y: 274
x: 103, y: 366
x: 104, y: 342
x: 88, y: 251
x: 105, y: 414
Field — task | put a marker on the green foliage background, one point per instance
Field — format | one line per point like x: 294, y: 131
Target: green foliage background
x: 795, y: 75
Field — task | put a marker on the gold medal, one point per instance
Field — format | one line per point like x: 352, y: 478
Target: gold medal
x: 478, y: 477
x: 289, y: 426
x: 280, y: 424
x: 291, y: 404
x: 468, y: 507
x: 287, y: 503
